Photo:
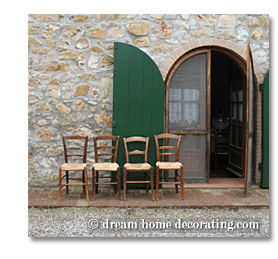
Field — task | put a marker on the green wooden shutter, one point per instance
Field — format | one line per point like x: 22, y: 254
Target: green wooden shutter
x: 138, y: 98
x: 265, y: 168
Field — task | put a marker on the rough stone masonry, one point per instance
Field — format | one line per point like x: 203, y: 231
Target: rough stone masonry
x: 70, y: 75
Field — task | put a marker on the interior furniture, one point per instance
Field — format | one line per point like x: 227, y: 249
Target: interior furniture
x: 131, y: 167
x: 77, y: 144
x: 164, y: 150
x: 221, y: 150
x: 112, y: 167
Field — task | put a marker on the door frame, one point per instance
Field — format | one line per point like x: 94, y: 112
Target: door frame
x: 249, y: 139
x: 206, y: 49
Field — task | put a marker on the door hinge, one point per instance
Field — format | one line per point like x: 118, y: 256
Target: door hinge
x: 260, y: 165
x: 114, y: 124
x: 261, y: 87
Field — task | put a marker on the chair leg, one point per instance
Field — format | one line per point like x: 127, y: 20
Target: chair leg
x: 176, y: 179
x: 146, y: 179
x: 86, y: 184
x: 83, y: 181
x: 97, y: 182
x: 67, y: 181
x: 119, y: 183
x: 182, y: 184
x: 151, y: 176
x: 60, y: 184
x: 126, y: 180
x: 93, y: 184
x: 113, y: 174
x: 124, y: 184
x: 157, y: 182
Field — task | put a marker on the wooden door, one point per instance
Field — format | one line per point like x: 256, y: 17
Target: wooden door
x: 187, y: 97
x: 249, y: 123
x: 138, y: 99
x: 235, y: 158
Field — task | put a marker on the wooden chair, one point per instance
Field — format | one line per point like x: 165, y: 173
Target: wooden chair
x: 74, y: 166
x: 137, y: 167
x: 112, y: 167
x: 168, y: 165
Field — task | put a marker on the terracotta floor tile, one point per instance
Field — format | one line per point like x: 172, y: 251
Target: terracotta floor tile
x: 194, y: 197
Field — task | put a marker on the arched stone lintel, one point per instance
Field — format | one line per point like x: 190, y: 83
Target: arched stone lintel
x: 239, y: 49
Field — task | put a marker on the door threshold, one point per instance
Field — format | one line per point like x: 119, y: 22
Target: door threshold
x: 217, y: 183
x: 226, y: 183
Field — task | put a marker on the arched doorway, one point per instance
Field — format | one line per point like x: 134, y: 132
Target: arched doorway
x: 206, y: 101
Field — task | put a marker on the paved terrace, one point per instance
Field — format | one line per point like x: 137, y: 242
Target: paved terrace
x: 219, y: 193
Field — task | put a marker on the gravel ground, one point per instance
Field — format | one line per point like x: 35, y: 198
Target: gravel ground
x: 148, y: 222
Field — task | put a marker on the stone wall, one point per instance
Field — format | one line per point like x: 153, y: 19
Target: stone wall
x: 71, y: 70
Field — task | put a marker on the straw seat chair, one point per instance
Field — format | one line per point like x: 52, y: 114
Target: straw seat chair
x: 112, y: 167
x: 76, y: 143
x: 161, y: 143
x: 130, y: 168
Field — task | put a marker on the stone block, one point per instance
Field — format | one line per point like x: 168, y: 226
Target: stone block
x: 139, y: 28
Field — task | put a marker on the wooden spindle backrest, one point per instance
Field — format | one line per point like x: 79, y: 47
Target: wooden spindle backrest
x: 114, y: 149
x: 136, y: 152
x: 68, y: 149
x: 165, y: 146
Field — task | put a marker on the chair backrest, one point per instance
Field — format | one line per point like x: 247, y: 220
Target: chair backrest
x: 165, y: 147
x: 112, y: 148
x: 71, y: 144
x: 136, y: 152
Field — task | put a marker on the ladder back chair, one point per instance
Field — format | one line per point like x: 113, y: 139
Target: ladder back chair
x: 163, y: 150
x: 137, y: 167
x: 113, y: 167
x: 77, y: 144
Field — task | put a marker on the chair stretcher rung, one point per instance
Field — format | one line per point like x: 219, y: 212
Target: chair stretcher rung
x: 106, y: 183
x: 75, y: 179
x: 105, y: 176
x: 164, y: 177
x: 138, y: 181
x: 168, y: 177
x: 64, y: 184
x: 170, y: 183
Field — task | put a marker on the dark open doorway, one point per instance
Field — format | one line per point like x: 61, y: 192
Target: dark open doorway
x: 226, y: 117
